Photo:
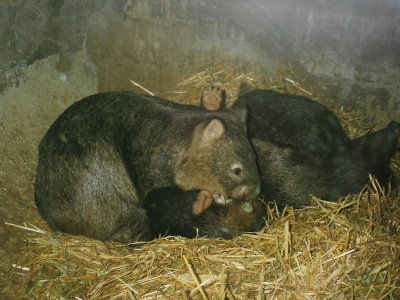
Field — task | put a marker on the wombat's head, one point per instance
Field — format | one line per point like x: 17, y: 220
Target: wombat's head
x: 220, y: 158
x: 229, y: 221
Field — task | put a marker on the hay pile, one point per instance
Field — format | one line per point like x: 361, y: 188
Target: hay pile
x: 343, y: 250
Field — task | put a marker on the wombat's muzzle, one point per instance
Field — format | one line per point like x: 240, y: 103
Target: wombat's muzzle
x: 246, y: 191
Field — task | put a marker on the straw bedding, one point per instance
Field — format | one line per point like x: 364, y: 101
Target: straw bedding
x: 344, y: 250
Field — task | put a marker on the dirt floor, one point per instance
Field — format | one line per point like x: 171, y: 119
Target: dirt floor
x: 26, y: 111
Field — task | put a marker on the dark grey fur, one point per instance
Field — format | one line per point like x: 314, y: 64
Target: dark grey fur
x: 302, y: 149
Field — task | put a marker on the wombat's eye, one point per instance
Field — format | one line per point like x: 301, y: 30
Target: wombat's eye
x: 237, y: 171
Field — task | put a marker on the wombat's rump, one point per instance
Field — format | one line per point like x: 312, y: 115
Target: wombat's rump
x: 105, y: 153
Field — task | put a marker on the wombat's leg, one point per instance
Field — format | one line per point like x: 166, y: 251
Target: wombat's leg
x: 213, y: 98
x: 136, y: 227
x: 203, y: 201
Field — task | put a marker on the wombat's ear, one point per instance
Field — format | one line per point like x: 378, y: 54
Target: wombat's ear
x: 246, y: 87
x: 259, y: 145
x: 214, y: 130
x: 240, y: 110
x: 267, y: 149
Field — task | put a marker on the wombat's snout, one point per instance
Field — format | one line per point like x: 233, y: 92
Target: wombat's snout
x: 246, y: 191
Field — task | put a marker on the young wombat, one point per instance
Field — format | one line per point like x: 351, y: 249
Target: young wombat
x: 302, y: 149
x: 105, y: 153
x: 170, y: 211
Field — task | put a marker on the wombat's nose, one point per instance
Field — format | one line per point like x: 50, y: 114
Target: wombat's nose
x: 247, y: 191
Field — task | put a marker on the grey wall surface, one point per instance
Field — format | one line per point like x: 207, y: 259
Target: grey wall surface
x: 351, y: 46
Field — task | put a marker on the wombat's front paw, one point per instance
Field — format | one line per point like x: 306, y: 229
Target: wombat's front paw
x: 213, y: 98
x: 203, y: 201
x: 220, y: 199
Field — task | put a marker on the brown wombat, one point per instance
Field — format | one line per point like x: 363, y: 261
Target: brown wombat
x: 302, y: 149
x: 170, y: 211
x: 105, y: 153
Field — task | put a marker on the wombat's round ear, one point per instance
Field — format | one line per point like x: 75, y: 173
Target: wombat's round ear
x: 240, y: 110
x: 245, y: 87
x: 260, y: 146
x: 214, y: 130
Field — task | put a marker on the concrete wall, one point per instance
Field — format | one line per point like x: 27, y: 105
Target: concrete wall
x: 351, y: 46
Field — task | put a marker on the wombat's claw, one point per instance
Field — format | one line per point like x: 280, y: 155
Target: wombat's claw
x: 219, y: 199
x: 247, y: 207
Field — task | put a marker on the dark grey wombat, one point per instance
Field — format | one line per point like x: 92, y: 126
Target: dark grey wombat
x: 302, y: 149
x: 170, y: 211
x: 105, y: 153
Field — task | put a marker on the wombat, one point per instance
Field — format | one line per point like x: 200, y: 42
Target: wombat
x: 302, y: 149
x: 105, y: 153
x: 170, y: 211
